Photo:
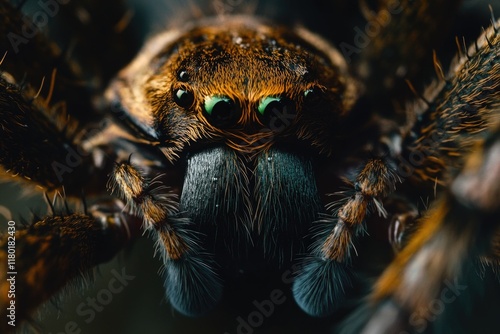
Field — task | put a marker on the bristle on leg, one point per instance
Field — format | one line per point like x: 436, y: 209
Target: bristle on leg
x: 321, y: 285
x: 191, y: 285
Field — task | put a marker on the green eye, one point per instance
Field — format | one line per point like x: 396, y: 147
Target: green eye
x: 216, y: 104
x: 268, y: 104
x: 220, y: 110
x: 276, y: 112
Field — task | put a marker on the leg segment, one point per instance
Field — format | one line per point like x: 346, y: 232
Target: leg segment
x: 55, y: 250
x: 36, y: 145
x: 375, y: 181
x: 191, y: 284
x: 464, y: 104
x: 321, y: 284
x: 462, y: 226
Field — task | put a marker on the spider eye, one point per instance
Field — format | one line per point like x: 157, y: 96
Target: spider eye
x: 183, y: 76
x: 312, y: 96
x: 184, y: 98
x: 276, y: 112
x: 220, y: 110
x: 269, y: 104
x: 308, y: 93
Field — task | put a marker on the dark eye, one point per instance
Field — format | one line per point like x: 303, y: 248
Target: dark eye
x: 269, y: 104
x: 313, y: 96
x: 183, y: 97
x: 183, y: 76
x: 220, y: 110
x: 277, y: 112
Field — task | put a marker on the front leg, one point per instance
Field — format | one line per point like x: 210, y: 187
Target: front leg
x: 375, y: 181
x: 321, y: 285
x: 191, y: 283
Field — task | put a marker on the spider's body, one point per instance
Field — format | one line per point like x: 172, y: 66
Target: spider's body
x: 248, y: 147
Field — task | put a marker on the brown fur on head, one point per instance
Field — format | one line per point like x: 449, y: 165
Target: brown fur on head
x: 245, y: 61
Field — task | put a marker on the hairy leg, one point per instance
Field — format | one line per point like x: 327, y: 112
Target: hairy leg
x: 191, y: 283
x: 55, y: 250
x: 325, y: 277
x: 455, y: 142
x: 459, y: 230
x: 455, y: 111
x: 36, y: 145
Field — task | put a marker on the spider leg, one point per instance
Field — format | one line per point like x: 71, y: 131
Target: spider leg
x: 191, y: 283
x: 375, y: 181
x: 451, y: 144
x: 461, y: 227
x: 464, y: 105
x: 48, y: 114
x: 461, y: 106
x: 71, y: 244
x: 329, y: 270
x: 35, y: 147
x: 46, y: 117
x: 46, y: 99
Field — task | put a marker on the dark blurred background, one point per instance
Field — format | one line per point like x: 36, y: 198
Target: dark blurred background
x: 140, y: 307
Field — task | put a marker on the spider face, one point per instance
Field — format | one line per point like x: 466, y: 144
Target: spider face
x: 242, y: 83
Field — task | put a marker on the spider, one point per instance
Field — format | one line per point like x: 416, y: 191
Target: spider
x: 252, y: 150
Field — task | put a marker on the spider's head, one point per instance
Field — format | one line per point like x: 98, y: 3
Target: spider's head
x: 247, y: 106
x: 242, y: 83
